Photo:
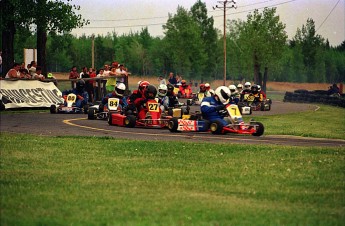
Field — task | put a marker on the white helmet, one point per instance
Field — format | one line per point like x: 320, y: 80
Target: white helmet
x: 120, y: 89
x: 207, y: 86
x: 247, y: 85
x: 162, y: 90
x: 211, y: 92
x: 259, y: 87
x: 240, y: 86
x: 223, y: 94
x: 232, y: 88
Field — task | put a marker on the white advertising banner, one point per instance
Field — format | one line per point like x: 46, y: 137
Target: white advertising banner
x: 29, y: 93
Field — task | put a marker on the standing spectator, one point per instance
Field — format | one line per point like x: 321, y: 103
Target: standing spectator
x: 121, y: 73
x: 101, y: 75
x: 178, y: 79
x: 74, y: 73
x: 88, y: 83
x: 14, y: 71
x: 106, y: 70
x: 172, y: 80
x: 111, y: 82
x: 161, y: 80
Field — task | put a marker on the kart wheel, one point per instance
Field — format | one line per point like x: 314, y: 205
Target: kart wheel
x: 170, y: 112
x: 206, y: 126
x: 53, y: 109
x: 85, y: 108
x: 262, y: 106
x: 216, y: 127
x: 173, y: 124
x: 110, y: 118
x: 259, y: 129
x: 91, y: 113
x: 130, y: 121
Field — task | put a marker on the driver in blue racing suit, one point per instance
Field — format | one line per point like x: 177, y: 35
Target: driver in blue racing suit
x: 79, y: 91
x: 211, y: 106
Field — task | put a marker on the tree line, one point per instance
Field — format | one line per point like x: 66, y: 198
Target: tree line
x: 257, y: 49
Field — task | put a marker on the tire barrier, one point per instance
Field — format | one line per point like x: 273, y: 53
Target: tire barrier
x: 316, y: 96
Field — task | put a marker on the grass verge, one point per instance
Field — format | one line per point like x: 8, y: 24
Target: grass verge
x: 103, y: 181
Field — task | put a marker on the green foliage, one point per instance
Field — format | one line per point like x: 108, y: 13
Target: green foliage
x: 102, y: 181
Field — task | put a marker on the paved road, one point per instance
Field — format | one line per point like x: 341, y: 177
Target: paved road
x: 77, y: 124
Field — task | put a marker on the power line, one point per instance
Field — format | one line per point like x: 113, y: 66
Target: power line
x: 328, y: 15
x: 156, y: 24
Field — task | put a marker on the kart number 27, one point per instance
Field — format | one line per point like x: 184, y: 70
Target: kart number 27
x: 153, y: 107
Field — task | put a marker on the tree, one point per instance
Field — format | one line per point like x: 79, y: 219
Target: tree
x: 262, y: 38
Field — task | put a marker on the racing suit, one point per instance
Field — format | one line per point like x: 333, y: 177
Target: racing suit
x: 82, y: 97
x: 123, y: 100
x: 164, y: 102
x: 210, y: 110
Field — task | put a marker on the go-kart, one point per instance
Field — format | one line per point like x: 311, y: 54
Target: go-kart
x: 68, y: 106
x: 196, y: 99
x: 153, y: 117
x: 236, y: 124
x: 256, y: 105
x: 101, y: 111
x: 187, y: 93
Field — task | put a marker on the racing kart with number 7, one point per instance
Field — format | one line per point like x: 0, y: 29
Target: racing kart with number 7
x: 236, y: 124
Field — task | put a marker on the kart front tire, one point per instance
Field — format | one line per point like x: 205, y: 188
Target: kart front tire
x: 53, y: 109
x: 216, y: 127
x: 173, y: 124
x: 130, y: 121
x: 91, y: 113
x: 259, y: 129
x: 110, y: 119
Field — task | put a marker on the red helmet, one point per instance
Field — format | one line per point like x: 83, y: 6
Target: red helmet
x: 143, y: 85
x: 202, y: 87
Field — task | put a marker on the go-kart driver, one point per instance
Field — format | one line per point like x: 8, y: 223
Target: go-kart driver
x: 163, y: 99
x: 257, y: 95
x: 139, y: 93
x: 211, y: 106
x: 235, y: 96
x: 140, y: 103
x: 185, y: 89
x: 208, y: 91
x: 79, y: 91
x: 262, y: 92
x: 246, y: 91
x: 173, y: 100
x: 117, y: 93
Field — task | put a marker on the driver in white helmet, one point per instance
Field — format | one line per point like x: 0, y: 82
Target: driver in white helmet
x: 118, y: 92
x: 246, y: 91
x: 212, y: 106
x: 235, y: 96
x: 163, y: 99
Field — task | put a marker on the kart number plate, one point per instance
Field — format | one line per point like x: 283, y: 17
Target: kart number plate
x: 153, y: 107
x: 113, y: 103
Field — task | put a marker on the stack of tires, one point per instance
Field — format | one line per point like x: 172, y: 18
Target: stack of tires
x: 316, y: 96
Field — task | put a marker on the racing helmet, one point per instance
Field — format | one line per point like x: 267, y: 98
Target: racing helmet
x: 202, y: 87
x: 170, y: 89
x: 143, y: 85
x: 162, y: 90
x: 80, y: 85
x: 183, y: 83
x: 207, y: 86
x: 254, y: 89
x: 150, y: 92
x: 259, y: 88
x: 239, y: 86
x: 212, y: 92
x: 223, y: 94
x: 120, y: 89
x: 232, y: 88
x: 247, y: 85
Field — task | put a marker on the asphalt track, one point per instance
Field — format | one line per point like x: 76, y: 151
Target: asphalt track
x: 78, y: 125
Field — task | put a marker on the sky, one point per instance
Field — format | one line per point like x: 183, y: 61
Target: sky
x: 124, y: 16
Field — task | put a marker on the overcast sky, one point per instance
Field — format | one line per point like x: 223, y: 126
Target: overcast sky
x: 123, y: 16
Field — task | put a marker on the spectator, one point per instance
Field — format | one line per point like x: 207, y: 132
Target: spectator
x: 178, y: 79
x: 161, y: 80
x: 14, y: 72
x: 24, y: 72
x: 100, y: 75
x: 111, y: 82
x: 32, y: 69
x: 333, y: 90
x: 38, y: 75
x: 88, y: 83
x: 172, y: 80
x: 73, y: 73
x: 121, y: 73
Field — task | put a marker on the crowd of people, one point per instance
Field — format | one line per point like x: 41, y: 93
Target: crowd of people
x: 31, y: 71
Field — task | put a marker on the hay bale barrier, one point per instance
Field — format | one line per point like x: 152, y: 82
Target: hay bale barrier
x: 315, y: 96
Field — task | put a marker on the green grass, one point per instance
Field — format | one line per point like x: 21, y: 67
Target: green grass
x: 104, y: 181
x: 326, y: 122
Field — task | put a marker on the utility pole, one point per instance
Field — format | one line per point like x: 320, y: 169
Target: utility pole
x: 93, y: 51
x: 224, y: 7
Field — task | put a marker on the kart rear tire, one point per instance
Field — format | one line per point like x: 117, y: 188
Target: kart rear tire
x: 173, y: 124
x: 53, y: 109
x: 259, y: 129
x: 110, y: 118
x: 86, y: 108
x: 206, y: 126
x: 130, y: 121
x: 216, y: 127
x: 91, y: 114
